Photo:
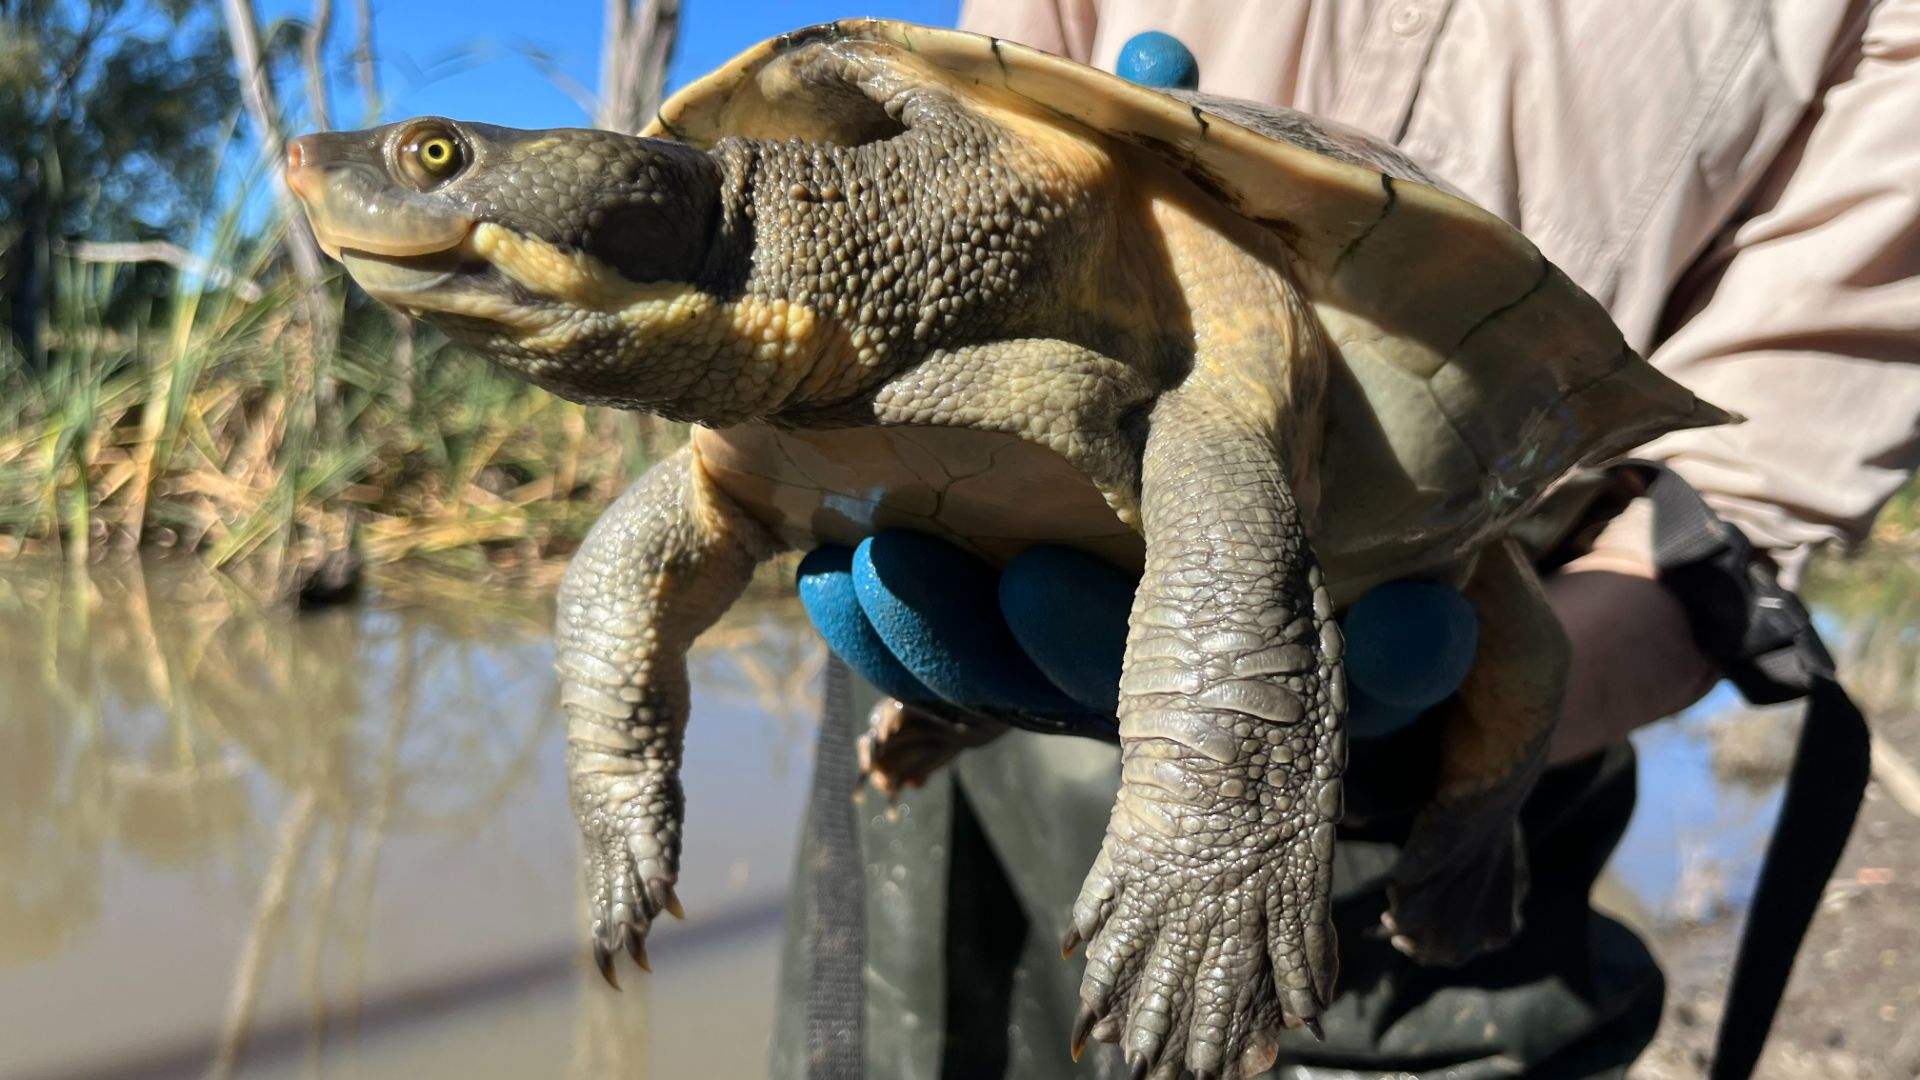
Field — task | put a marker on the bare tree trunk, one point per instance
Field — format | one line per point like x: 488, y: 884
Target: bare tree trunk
x: 370, y: 103
x: 312, y: 394
x: 633, y: 61
x: 314, y: 51
x: 367, y: 73
x: 257, y: 93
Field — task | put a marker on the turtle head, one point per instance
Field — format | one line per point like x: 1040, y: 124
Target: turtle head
x: 541, y: 249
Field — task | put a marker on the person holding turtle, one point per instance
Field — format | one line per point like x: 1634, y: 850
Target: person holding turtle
x: 910, y: 276
x: 1739, y: 186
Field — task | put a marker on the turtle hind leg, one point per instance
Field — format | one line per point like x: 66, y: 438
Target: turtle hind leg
x: 905, y: 744
x: 1461, y: 878
x: 1457, y: 900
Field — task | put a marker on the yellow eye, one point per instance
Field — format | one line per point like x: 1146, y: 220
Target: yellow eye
x: 438, y: 155
x: 430, y: 154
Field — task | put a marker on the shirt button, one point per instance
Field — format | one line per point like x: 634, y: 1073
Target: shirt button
x: 1407, y: 20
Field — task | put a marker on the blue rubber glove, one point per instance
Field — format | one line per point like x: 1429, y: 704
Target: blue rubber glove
x: 1158, y: 60
x: 906, y: 611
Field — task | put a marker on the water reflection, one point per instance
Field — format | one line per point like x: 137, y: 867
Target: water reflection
x: 1698, y: 834
x: 221, y: 822
x: 236, y: 841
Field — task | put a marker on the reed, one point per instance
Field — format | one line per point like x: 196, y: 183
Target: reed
x: 215, y: 421
x: 234, y: 396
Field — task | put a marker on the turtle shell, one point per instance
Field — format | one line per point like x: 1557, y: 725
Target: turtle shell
x: 1469, y: 373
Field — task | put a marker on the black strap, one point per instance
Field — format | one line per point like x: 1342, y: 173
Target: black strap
x: 1763, y: 639
x: 836, y: 910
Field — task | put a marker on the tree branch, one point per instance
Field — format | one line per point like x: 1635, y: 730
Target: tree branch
x: 370, y: 104
x: 160, y: 251
x: 633, y: 61
x: 257, y: 94
x: 312, y: 374
x: 314, y: 51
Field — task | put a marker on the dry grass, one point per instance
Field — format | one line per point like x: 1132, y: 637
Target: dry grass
x: 214, y: 424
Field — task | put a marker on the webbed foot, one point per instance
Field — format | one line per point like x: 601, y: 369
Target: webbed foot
x: 657, y: 569
x: 1452, y: 902
x: 904, y: 744
x: 631, y: 825
x: 1207, y: 915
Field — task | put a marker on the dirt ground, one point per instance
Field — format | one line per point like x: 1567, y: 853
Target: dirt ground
x: 1852, y: 1009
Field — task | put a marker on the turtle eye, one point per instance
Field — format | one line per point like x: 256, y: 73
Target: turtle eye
x: 429, y: 154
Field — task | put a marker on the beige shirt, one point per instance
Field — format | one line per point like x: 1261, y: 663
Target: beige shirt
x: 1738, y: 182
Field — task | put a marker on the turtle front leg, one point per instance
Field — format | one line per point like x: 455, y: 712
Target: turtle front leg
x: 1461, y: 877
x: 1207, y: 910
x: 665, y: 561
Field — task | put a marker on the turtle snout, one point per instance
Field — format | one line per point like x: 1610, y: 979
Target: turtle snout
x: 300, y: 151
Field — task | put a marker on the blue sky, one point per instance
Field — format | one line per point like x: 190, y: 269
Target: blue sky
x: 469, y: 59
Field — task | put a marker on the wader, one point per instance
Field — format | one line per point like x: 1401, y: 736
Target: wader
x: 923, y: 941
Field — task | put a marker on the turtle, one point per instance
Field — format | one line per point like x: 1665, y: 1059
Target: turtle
x: 906, y: 277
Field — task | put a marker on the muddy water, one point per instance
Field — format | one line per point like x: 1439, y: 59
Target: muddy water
x: 235, y: 841
x: 339, y: 844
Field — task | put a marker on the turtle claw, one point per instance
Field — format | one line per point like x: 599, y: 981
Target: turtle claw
x: 637, y: 948
x: 660, y: 892
x: 633, y: 855
x: 1069, y: 942
x: 1446, y: 916
x: 1259, y: 1055
x: 603, y: 959
x: 1082, y: 1027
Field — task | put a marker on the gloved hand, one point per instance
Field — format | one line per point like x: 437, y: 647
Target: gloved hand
x: 1039, y: 643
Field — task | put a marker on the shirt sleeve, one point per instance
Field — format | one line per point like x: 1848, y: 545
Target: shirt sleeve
x: 1062, y: 27
x: 1804, y: 317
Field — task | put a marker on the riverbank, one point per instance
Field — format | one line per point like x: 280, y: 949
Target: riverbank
x: 1852, y: 1008
x: 218, y: 423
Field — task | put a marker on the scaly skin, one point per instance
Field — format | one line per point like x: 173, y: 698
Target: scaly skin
x: 1207, y: 909
x: 667, y: 559
x: 972, y: 265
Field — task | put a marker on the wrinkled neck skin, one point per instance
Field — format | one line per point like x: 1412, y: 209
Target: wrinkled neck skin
x: 829, y: 269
